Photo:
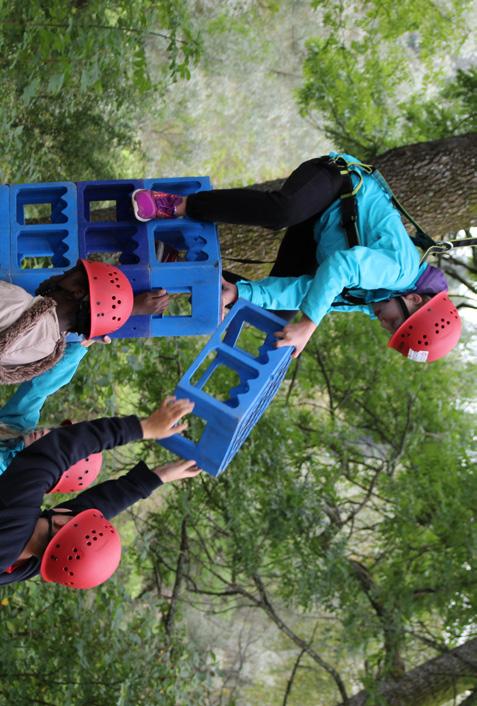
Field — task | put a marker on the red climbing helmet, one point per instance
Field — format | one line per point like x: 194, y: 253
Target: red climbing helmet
x: 84, y: 553
x: 431, y: 332
x: 80, y: 475
x: 111, y: 297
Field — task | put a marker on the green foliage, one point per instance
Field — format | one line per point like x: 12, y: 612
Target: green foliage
x: 76, y: 80
x: 352, y: 503
x: 368, y: 73
x: 356, y: 500
x: 98, y: 647
x: 453, y: 112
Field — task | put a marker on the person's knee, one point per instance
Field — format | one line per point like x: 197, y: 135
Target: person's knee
x: 284, y: 212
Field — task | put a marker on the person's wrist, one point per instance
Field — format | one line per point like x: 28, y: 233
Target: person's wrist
x: 307, y: 323
x: 145, y: 428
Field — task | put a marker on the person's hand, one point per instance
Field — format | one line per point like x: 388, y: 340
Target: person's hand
x: 104, y: 340
x: 229, y: 295
x: 178, y: 470
x: 296, y: 335
x: 164, y: 421
x: 153, y: 302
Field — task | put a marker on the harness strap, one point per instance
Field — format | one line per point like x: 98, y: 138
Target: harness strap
x: 349, y: 209
x: 349, y: 218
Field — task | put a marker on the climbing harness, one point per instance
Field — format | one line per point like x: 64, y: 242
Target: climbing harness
x: 349, y: 210
x: 435, y: 328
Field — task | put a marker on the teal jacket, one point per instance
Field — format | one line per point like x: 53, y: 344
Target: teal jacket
x: 21, y: 413
x: 386, y: 262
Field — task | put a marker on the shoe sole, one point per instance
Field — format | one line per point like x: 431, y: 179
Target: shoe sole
x: 135, y: 207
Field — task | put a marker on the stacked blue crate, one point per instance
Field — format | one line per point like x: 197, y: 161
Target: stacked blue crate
x: 121, y: 237
x: 4, y: 233
x: 229, y: 422
x: 55, y: 238
x: 70, y: 230
x: 197, y: 274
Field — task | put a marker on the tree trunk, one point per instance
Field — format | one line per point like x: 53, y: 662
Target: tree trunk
x: 431, y: 684
x: 435, y: 181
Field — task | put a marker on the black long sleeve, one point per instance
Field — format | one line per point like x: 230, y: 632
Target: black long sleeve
x: 114, y: 496
x: 37, y: 469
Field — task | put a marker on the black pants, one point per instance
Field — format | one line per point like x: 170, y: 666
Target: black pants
x: 307, y: 192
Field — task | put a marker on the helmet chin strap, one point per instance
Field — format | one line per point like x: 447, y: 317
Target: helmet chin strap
x: 405, y: 311
x: 49, y: 516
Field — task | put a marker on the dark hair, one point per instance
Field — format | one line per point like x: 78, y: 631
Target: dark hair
x: 82, y: 322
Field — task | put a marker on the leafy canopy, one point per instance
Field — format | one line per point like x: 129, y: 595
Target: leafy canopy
x: 378, y: 72
x: 76, y: 80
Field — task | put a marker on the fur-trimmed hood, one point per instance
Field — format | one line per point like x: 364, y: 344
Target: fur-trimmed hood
x: 31, y: 343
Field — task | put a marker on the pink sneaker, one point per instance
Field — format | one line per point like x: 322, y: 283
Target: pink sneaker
x: 150, y: 204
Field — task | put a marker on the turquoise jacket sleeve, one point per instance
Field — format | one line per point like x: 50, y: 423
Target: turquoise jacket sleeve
x: 22, y: 411
x: 359, y: 268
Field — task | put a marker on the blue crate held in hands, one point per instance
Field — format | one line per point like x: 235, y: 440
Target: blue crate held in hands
x: 249, y: 380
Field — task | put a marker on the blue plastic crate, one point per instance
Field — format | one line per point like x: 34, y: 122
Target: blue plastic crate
x: 110, y: 195
x: 134, y: 246
x: 55, y: 237
x: 197, y: 275
x: 4, y: 232
x: 121, y: 235
x: 71, y: 230
x: 228, y: 422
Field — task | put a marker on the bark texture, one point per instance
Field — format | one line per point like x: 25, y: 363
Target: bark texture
x: 435, y: 181
x: 432, y: 684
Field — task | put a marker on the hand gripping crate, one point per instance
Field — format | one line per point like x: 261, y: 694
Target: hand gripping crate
x: 228, y: 422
